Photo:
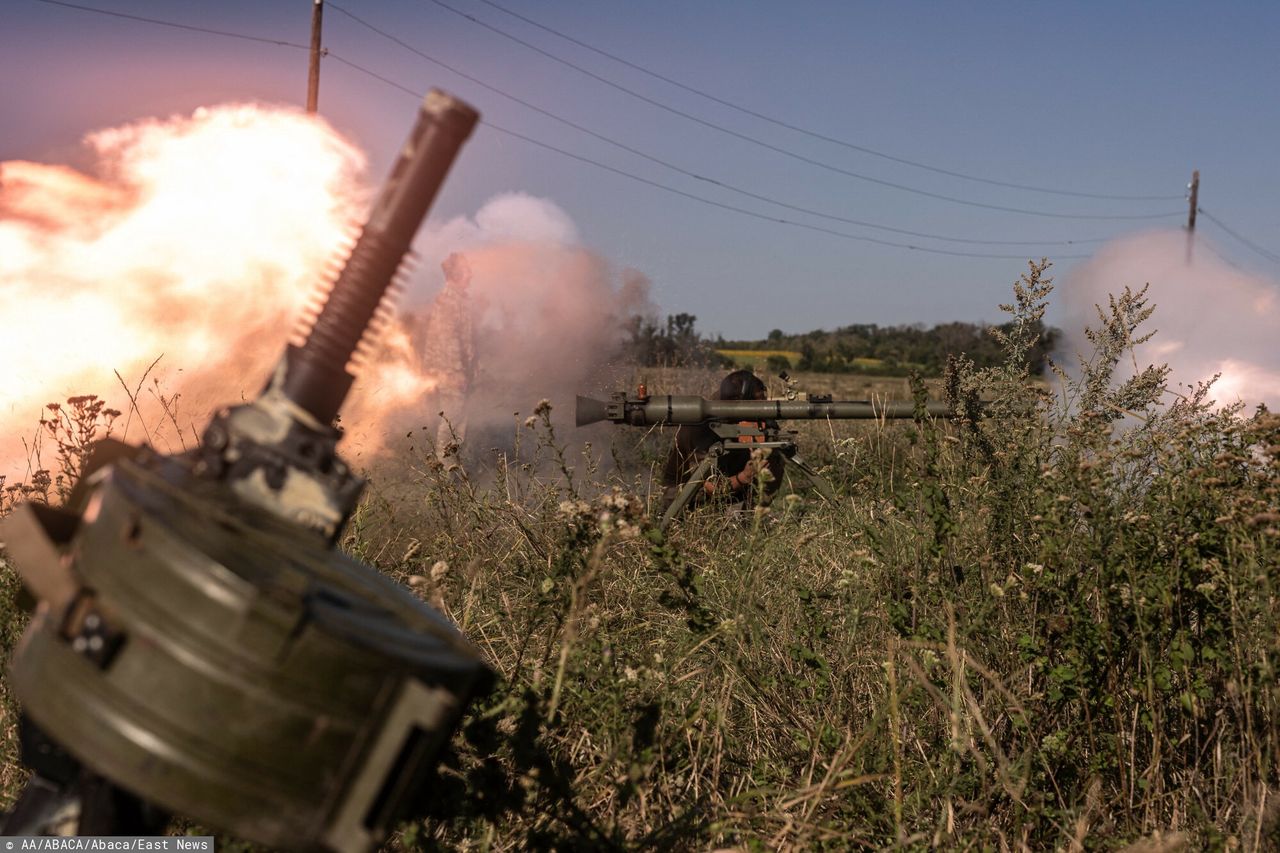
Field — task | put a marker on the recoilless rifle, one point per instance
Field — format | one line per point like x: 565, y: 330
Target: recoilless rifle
x: 742, y: 426
x: 199, y: 642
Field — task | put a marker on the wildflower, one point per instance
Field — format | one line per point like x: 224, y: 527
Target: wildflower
x: 613, y: 500
x: 574, y: 511
x: 530, y: 422
x: 627, y: 530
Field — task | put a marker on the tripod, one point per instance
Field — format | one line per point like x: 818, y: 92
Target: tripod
x: 745, y: 437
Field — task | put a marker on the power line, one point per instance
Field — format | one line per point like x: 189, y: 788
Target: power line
x: 744, y: 211
x: 1266, y: 253
x: 1216, y: 253
x: 814, y: 134
x: 329, y: 54
x: 176, y: 26
x: 531, y: 140
x: 694, y: 175
x: 783, y: 151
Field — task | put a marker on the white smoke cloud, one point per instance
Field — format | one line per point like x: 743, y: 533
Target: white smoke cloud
x: 548, y: 315
x: 512, y: 217
x: 1210, y: 317
x: 198, y: 239
x: 195, y: 241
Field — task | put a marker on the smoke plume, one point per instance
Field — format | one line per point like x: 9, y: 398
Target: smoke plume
x: 166, y: 281
x: 1210, y: 317
x: 548, y: 318
x: 195, y: 242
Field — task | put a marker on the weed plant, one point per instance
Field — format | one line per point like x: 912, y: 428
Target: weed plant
x: 1049, y: 624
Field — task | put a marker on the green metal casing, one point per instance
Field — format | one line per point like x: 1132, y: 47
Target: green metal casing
x: 245, y: 674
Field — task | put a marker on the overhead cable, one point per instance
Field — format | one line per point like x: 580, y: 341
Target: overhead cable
x: 785, y: 152
x: 815, y: 134
x: 744, y: 211
x: 176, y: 26
x: 713, y: 181
x: 547, y: 146
x: 1266, y: 253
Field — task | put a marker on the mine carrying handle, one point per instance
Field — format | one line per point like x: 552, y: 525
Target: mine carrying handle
x: 689, y: 409
x: 315, y: 373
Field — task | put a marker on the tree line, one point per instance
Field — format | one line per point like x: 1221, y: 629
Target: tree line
x: 859, y: 348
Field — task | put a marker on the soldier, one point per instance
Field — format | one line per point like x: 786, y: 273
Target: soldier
x: 738, y: 470
x: 450, y: 353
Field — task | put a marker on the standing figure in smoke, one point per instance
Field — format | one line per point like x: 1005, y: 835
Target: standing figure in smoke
x: 449, y: 352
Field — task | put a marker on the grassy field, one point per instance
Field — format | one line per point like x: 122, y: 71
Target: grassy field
x: 1023, y: 630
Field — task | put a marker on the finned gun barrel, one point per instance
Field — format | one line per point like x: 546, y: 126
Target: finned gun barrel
x: 202, y: 647
x: 316, y: 376
x: 690, y: 409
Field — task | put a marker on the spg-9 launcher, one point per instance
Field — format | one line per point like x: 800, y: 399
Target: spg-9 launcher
x: 743, y: 425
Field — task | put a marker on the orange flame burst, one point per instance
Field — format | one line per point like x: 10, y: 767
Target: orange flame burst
x: 197, y: 243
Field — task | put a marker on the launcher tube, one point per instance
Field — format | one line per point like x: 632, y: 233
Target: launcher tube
x: 690, y: 409
x: 671, y: 409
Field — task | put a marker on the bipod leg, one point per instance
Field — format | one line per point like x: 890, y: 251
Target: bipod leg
x: 62, y: 797
x: 820, y: 483
x: 691, y: 486
x: 41, y: 806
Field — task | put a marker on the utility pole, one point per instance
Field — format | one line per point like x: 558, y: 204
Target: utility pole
x: 1194, y: 186
x: 1193, y: 196
x: 313, y: 79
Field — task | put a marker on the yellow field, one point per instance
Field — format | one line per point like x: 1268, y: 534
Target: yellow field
x: 758, y: 357
x: 843, y: 386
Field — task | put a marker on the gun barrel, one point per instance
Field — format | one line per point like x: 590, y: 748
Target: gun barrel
x: 316, y: 376
x: 689, y: 409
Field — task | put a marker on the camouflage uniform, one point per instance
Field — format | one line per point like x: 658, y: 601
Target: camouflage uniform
x: 693, y: 441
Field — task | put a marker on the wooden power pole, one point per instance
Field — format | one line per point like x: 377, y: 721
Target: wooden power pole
x: 313, y: 79
x: 1195, y: 195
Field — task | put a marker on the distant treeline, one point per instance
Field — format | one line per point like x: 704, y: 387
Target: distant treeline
x: 859, y: 348
x: 677, y: 343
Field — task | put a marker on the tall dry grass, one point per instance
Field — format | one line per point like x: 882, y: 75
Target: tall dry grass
x: 1051, y: 624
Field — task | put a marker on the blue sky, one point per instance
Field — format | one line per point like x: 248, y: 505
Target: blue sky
x: 1113, y: 99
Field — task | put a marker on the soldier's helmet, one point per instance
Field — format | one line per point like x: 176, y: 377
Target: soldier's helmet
x: 742, y: 385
